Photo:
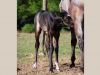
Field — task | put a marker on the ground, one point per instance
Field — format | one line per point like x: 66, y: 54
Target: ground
x: 25, y: 57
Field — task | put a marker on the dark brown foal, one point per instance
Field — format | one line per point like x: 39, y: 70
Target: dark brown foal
x: 46, y: 22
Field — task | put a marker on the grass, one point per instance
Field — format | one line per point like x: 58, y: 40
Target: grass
x: 26, y: 44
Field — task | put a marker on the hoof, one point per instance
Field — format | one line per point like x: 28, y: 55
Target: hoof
x: 51, y: 71
x: 57, y: 66
x: 82, y: 69
x: 58, y: 70
x: 34, y: 65
x: 72, y: 65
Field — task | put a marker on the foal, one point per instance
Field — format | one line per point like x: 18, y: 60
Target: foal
x: 46, y: 22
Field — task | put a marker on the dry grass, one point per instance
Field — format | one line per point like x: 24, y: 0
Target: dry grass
x: 25, y: 51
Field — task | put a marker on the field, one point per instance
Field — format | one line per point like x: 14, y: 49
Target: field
x: 25, y: 56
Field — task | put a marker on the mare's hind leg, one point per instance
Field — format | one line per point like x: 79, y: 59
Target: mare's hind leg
x: 80, y: 36
x: 37, y: 34
x: 73, y: 45
x: 57, y: 49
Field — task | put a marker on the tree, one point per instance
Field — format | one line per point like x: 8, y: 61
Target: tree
x: 26, y: 9
x: 45, y: 5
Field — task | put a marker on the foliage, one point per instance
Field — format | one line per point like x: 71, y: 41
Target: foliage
x: 28, y: 28
x: 26, y: 45
x: 53, y: 5
x: 27, y: 8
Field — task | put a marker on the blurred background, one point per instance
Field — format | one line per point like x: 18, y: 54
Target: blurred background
x: 26, y: 9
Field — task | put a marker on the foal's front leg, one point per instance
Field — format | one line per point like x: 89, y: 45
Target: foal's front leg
x: 50, y: 52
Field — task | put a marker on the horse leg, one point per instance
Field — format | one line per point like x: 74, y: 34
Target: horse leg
x: 57, y: 49
x: 50, y: 52
x: 73, y: 45
x: 80, y: 36
x: 43, y: 42
x: 37, y: 34
x: 47, y: 45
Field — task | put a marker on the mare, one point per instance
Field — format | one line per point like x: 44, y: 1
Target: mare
x: 75, y: 10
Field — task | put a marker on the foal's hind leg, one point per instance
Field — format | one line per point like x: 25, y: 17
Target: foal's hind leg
x: 37, y: 34
x: 43, y: 44
x: 47, y: 44
x: 57, y: 49
x: 73, y: 45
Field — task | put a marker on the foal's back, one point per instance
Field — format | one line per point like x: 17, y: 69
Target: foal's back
x: 44, y: 20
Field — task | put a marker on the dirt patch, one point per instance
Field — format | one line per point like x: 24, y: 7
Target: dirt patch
x: 43, y: 68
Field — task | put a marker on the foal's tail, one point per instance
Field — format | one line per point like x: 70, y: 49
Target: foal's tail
x: 46, y: 20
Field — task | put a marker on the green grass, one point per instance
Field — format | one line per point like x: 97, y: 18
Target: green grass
x: 26, y: 44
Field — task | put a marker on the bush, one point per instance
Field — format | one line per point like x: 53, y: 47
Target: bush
x: 28, y: 28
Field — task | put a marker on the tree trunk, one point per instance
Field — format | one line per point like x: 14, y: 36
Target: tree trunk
x: 45, y: 5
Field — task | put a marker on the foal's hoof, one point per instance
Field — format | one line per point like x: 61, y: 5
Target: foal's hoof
x: 51, y: 71
x: 34, y: 65
x: 82, y: 69
x: 57, y: 66
x: 72, y: 65
x: 58, y: 70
